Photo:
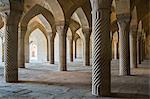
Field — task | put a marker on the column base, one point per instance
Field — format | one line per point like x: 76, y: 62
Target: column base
x: 62, y: 69
x: 52, y: 62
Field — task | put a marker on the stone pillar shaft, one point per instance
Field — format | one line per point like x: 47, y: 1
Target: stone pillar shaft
x: 11, y: 42
x: 62, y: 31
x: 21, y: 48
x: 115, y: 50
x: 62, y: 52
x: 51, y: 52
x: 75, y: 48
x: 71, y: 49
x: 101, y: 47
x: 27, y: 51
x: 143, y: 52
x: 133, y: 49
x: 139, y: 49
x: 124, y: 63
x: 86, y: 33
x: 87, y: 52
x: 48, y: 50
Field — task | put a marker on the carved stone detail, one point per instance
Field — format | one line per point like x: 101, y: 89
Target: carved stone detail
x: 11, y: 39
x: 62, y: 31
x: 101, y: 47
x: 124, y: 62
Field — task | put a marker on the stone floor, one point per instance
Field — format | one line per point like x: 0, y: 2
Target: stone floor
x: 43, y: 81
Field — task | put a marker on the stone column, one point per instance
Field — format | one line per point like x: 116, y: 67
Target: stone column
x: 27, y: 51
x: 62, y: 31
x: 51, y: 52
x: 142, y: 48
x: 48, y: 49
x: 11, y: 39
x: 75, y: 49
x: 124, y: 62
x: 86, y: 33
x: 139, y: 48
x: 143, y: 52
x: 71, y: 49
x: 101, y: 10
x: 133, y: 48
x: 21, y: 47
x: 115, y: 50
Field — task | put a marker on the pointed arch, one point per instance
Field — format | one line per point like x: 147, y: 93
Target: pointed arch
x: 36, y: 10
x: 36, y: 25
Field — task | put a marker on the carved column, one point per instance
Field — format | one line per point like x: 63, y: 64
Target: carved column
x: 124, y: 63
x: 11, y: 39
x: 86, y: 33
x: 71, y: 48
x: 139, y: 48
x: 133, y: 48
x: 101, y: 10
x: 62, y: 31
x: 51, y: 48
x: 115, y: 50
x: 21, y: 47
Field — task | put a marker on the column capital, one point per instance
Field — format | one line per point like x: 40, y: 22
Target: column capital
x: 123, y: 18
x: 101, y: 4
x: 62, y: 27
x: 52, y: 34
x: 86, y: 32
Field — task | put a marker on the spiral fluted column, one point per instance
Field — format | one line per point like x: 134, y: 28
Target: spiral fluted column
x: 124, y: 62
x: 21, y: 47
x: 133, y: 48
x: 11, y: 39
x: 87, y: 33
x: 62, y: 31
x: 101, y: 47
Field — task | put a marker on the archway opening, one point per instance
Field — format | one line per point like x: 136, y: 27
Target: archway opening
x: 38, y: 47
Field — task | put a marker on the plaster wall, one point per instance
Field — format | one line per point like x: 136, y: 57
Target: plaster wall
x: 38, y: 38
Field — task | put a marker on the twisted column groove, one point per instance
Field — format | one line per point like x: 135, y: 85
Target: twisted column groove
x: 101, y: 53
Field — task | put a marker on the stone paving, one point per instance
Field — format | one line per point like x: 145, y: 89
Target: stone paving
x: 43, y: 81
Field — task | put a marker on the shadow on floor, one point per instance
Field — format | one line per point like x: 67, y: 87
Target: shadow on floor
x: 129, y: 95
x: 113, y: 95
x: 67, y: 84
